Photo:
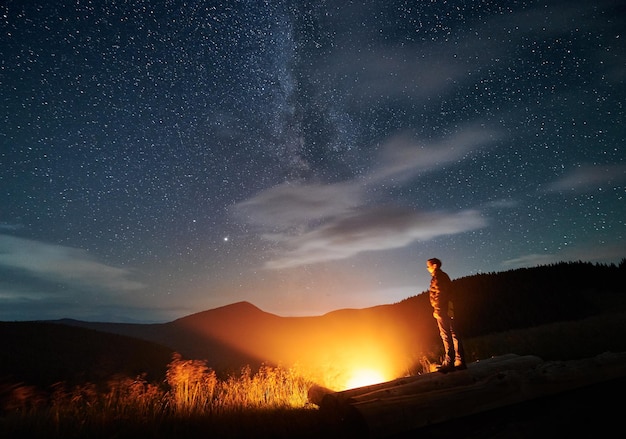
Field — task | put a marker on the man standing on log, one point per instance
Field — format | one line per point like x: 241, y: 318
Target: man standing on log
x: 443, y: 312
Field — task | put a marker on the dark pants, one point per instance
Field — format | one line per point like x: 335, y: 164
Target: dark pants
x: 452, y: 346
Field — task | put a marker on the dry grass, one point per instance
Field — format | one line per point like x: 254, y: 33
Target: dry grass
x: 269, y: 402
x: 192, y: 397
x: 195, y: 390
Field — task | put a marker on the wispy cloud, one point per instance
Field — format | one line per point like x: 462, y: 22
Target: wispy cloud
x: 10, y: 227
x: 503, y: 203
x: 603, y: 253
x: 57, y: 263
x: 530, y: 260
x: 369, y: 229
x: 589, y: 178
x: 433, y: 68
x: 404, y: 158
x: 318, y: 222
x: 294, y: 204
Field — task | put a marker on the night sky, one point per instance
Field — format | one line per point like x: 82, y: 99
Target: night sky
x: 161, y: 158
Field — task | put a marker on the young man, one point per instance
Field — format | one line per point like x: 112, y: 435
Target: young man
x: 441, y: 301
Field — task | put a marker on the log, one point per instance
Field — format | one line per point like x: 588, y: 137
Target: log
x: 317, y: 393
x: 437, y: 381
x: 389, y: 416
x: 410, y: 403
x: 392, y: 415
x: 332, y: 401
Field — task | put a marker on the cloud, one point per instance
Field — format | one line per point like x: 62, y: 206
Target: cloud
x: 432, y: 67
x: 57, y: 263
x: 316, y: 222
x: 602, y: 253
x: 503, y: 203
x: 589, y: 178
x: 292, y: 204
x: 369, y: 229
x: 10, y: 227
x: 530, y: 260
x: 403, y: 158
x: 395, y: 73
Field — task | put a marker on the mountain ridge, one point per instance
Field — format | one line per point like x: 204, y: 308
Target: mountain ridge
x: 485, y: 303
x: 240, y: 333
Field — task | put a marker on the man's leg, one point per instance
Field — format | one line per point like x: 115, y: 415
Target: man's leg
x: 459, y: 359
x: 448, y: 343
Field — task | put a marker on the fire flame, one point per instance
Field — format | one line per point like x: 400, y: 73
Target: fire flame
x: 365, y: 377
x: 339, y: 351
x: 364, y: 367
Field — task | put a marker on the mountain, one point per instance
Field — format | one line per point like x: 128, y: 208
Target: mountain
x: 186, y: 337
x: 389, y: 338
x: 241, y: 334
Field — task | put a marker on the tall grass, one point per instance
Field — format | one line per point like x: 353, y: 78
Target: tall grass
x: 124, y: 406
x: 193, y: 401
x: 194, y: 389
x: 192, y: 386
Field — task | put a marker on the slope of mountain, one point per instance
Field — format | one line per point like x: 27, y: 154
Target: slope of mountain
x: 239, y: 334
x: 385, y: 337
x: 40, y: 353
x: 185, y: 336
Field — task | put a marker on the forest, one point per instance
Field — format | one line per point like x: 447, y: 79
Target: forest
x: 527, y: 297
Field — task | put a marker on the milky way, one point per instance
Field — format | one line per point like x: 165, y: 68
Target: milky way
x: 163, y: 158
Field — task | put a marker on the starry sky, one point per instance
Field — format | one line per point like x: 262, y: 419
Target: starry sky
x: 161, y: 158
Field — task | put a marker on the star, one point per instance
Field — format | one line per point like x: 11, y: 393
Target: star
x: 303, y: 156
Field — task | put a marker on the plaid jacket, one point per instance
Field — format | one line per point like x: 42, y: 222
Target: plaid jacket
x: 439, y: 291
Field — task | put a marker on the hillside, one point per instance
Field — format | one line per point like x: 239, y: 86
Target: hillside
x: 391, y: 338
x: 526, y: 297
x: 41, y: 354
x: 239, y: 334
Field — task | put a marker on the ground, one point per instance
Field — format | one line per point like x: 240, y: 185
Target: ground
x: 590, y: 411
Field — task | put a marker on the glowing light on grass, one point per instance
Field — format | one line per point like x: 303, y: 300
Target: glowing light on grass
x: 365, y: 377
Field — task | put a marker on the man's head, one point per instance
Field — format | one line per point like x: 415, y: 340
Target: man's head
x: 432, y: 264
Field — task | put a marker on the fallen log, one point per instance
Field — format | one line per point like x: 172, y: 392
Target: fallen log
x: 438, y: 381
x: 329, y: 400
x: 389, y: 416
x: 408, y: 404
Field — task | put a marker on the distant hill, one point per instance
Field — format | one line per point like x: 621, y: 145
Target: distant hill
x: 41, y: 354
x: 388, y: 336
x: 241, y: 333
x: 238, y: 334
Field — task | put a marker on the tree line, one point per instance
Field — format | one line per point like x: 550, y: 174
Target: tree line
x: 527, y: 297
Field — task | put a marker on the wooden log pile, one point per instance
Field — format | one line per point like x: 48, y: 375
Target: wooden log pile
x: 413, y: 402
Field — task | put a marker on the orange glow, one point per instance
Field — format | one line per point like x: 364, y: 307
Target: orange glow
x: 364, y: 377
x: 361, y: 364
x: 340, y: 350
